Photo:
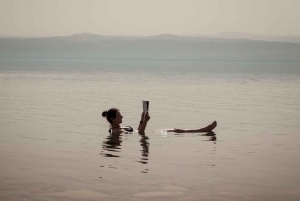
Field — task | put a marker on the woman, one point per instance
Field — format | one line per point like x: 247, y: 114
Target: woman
x: 114, y: 117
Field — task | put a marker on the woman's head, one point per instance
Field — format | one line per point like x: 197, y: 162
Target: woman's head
x: 113, y: 116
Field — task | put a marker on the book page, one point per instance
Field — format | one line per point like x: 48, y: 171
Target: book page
x: 145, y: 106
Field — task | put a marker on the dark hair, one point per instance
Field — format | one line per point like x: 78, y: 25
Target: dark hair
x: 111, y: 113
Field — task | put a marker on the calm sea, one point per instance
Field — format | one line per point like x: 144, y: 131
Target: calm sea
x: 55, y: 145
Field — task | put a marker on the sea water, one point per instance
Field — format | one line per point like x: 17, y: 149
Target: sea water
x: 55, y: 145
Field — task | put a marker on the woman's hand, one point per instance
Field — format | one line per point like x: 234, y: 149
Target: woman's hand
x: 142, y: 116
x: 146, y: 116
x: 144, y: 119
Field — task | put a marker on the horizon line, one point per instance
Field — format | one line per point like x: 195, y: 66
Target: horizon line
x: 144, y: 36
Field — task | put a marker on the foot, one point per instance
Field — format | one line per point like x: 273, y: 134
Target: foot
x: 209, y: 128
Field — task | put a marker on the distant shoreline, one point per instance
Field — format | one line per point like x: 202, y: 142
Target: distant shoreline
x: 142, y: 60
x: 158, y: 48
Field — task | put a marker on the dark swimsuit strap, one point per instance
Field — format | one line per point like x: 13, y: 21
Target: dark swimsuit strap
x: 127, y: 128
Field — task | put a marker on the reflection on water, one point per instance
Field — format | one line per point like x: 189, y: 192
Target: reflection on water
x: 112, y: 144
x: 212, y: 135
x: 145, y: 145
x: 112, y: 147
x: 145, y: 149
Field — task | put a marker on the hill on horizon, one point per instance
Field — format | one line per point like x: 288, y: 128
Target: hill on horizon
x: 218, y: 36
x: 160, y: 47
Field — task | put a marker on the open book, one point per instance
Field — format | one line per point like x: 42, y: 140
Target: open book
x: 145, y: 106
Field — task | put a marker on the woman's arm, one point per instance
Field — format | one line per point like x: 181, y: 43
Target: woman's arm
x: 143, y: 123
x: 142, y: 120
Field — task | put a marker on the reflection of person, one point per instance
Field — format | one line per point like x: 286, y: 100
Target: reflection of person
x: 145, y: 145
x: 112, y: 144
x: 114, y: 117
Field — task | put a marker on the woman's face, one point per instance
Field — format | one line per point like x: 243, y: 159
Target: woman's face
x: 118, y: 119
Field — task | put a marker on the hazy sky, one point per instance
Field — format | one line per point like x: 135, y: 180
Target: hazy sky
x: 148, y: 17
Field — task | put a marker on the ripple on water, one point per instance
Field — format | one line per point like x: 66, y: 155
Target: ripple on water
x: 82, y: 194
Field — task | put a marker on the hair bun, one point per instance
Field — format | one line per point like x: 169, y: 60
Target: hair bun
x: 104, y: 114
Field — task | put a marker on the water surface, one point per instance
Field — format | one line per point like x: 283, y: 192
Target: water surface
x: 55, y: 145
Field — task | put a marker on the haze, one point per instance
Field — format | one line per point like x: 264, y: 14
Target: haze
x: 37, y: 18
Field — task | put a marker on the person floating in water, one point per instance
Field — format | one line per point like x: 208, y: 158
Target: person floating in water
x: 114, y: 117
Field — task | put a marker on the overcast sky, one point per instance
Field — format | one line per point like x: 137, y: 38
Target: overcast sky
x: 148, y: 17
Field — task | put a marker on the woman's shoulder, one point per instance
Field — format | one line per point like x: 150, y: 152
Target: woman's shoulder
x: 121, y: 129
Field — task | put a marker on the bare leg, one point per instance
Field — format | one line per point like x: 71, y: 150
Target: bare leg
x: 208, y: 128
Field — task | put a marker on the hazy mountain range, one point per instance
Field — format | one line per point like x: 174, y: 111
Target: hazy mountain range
x: 160, y: 47
x: 240, y: 35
